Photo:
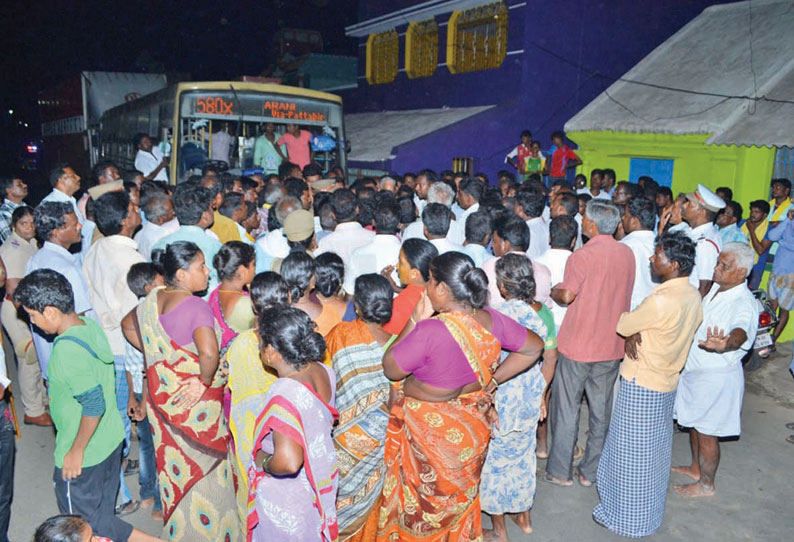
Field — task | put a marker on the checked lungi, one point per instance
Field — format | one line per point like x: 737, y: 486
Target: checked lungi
x: 635, y: 465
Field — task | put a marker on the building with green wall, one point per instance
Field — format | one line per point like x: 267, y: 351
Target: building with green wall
x: 714, y: 104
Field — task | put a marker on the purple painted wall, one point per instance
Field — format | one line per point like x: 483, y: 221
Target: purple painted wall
x: 539, y: 88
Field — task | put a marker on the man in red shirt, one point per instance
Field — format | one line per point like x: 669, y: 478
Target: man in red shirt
x: 519, y: 154
x: 596, y: 288
x: 298, y: 150
x: 562, y: 159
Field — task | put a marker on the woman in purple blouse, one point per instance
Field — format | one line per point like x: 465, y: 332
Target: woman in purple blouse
x: 447, y: 367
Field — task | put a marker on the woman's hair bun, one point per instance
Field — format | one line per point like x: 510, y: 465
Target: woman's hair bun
x: 477, y: 282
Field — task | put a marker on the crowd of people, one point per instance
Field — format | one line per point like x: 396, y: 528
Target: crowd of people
x: 308, y: 357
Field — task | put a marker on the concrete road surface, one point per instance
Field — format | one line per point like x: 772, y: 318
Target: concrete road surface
x: 754, y: 482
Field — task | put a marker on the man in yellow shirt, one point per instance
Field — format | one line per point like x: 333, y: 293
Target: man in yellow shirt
x: 659, y: 333
x: 781, y: 201
x: 224, y: 228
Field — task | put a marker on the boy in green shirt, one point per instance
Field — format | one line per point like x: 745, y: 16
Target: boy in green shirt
x: 82, y: 382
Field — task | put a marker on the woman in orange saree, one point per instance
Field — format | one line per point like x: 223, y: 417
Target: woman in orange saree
x: 440, y: 420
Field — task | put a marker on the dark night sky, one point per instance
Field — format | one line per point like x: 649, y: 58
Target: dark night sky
x: 44, y: 42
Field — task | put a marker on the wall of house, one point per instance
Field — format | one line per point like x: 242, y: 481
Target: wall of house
x: 746, y: 170
x: 561, y: 57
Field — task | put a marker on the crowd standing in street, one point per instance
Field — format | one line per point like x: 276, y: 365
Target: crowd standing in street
x: 385, y: 359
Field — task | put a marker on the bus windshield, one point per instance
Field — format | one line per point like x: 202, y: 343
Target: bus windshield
x: 217, y: 126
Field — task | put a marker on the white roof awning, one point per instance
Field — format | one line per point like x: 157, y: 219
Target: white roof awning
x: 373, y: 136
x: 697, y: 78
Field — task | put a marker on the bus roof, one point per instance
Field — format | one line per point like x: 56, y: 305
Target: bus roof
x: 260, y: 87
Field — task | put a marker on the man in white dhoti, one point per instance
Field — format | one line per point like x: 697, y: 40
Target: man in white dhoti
x: 711, y: 387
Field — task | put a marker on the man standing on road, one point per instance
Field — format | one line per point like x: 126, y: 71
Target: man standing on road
x: 699, y: 211
x: 599, y: 278
x: 658, y: 335
x: 7, y: 452
x: 15, y: 190
x: 781, y: 281
x: 711, y: 386
x: 638, y: 222
x: 149, y: 160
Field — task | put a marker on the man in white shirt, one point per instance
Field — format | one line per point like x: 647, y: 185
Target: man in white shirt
x: 57, y: 224
x: 424, y: 180
x: 65, y: 183
x: 699, y: 211
x: 383, y: 251
x: 107, y: 263
x: 478, y: 236
x: 105, y: 268
x: 436, y: 219
x: 563, y: 233
x: 221, y: 144
x: 438, y: 192
x: 469, y: 194
x: 639, y: 218
x: 711, y: 387
x: 273, y: 244
x: 511, y: 236
x: 529, y: 207
x: 161, y: 221
x: 149, y: 160
x: 348, y: 234
x: 566, y: 203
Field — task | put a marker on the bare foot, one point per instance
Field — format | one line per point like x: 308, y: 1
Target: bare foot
x: 489, y: 535
x: 688, y: 470
x: 694, y: 490
x: 557, y: 481
x: 541, y: 452
x: 147, y: 503
x: 522, y: 520
x: 157, y: 514
x: 584, y: 482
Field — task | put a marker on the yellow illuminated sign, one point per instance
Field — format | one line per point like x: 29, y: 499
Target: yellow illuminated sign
x: 477, y: 38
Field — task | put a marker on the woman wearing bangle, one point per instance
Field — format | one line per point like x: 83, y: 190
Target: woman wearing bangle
x: 440, y: 421
x: 180, y: 346
x: 508, y: 475
x: 293, y: 474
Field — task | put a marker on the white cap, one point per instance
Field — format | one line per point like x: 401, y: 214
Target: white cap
x: 706, y: 198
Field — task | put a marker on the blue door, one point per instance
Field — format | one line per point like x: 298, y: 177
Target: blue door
x: 660, y: 170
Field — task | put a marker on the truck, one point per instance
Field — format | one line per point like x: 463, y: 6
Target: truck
x: 71, y: 110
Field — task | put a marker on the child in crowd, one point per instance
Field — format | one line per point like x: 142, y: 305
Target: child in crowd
x: 82, y: 391
x: 142, y: 278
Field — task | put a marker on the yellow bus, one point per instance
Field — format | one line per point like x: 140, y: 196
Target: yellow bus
x: 181, y: 118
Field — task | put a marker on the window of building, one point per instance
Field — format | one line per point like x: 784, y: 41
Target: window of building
x: 421, y: 49
x: 477, y: 38
x: 659, y: 170
x: 382, y: 57
x: 463, y: 165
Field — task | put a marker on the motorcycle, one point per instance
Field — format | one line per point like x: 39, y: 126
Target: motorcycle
x: 763, y: 345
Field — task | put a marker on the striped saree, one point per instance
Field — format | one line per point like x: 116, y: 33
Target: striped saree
x: 362, y: 394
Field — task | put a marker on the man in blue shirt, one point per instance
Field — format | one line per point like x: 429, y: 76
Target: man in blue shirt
x: 781, y: 280
x: 192, y: 205
x: 59, y: 226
